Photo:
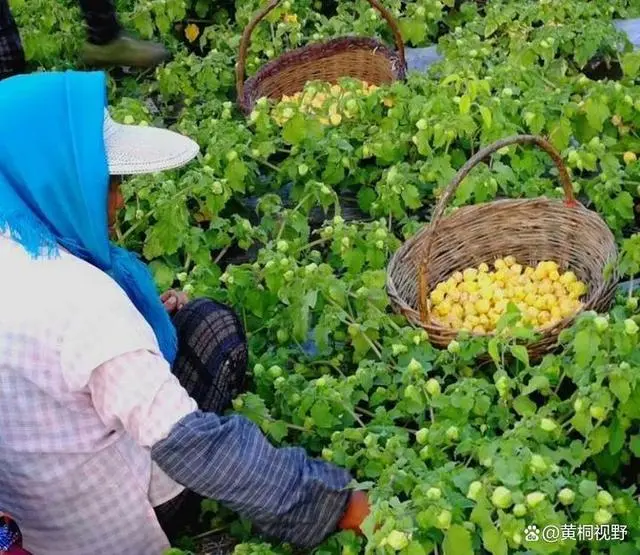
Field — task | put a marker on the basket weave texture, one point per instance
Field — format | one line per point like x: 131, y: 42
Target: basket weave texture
x: 361, y: 58
x: 531, y: 230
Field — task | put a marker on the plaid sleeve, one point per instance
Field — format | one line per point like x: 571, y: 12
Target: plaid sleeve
x: 283, y: 492
x: 138, y: 391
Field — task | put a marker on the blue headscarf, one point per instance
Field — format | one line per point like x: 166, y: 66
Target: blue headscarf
x: 54, y: 182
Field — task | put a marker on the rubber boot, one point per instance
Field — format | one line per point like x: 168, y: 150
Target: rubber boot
x: 125, y: 51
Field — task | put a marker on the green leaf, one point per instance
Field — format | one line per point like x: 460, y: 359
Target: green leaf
x: 536, y: 383
x: 457, y: 541
x: 597, y: 113
x: 524, y: 406
x: 588, y: 489
x: 618, y: 436
x: 620, y: 387
x: 494, y: 541
x: 487, y: 118
x: 494, y: 351
x: 321, y: 414
x: 520, y: 353
x: 634, y: 445
x: 415, y: 548
x: 598, y: 440
x: 585, y: 345
x: 465, y: 104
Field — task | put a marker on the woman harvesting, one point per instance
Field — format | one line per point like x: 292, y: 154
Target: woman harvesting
x: 112, y: 396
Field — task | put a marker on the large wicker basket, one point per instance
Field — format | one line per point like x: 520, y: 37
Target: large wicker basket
x: 529, y: 229
x: 358, y: 57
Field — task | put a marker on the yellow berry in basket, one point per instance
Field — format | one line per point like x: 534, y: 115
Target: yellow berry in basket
x: 483, y: 306
x: 457, y: 311
x: 437, y: 296
x: 509, y: 260
x: 444, y: 308
x: 567, y: 278
x: 479, y: 330
x: 457, y: 277
x: 454, y: 295
x: 554, y: 275
x: 500, y: 264
x: 516, y: 269
x: 544, y: 317
x: 556, y: 313
x: 469, y: 274
x: 483, y: 268
x: 469, y: 308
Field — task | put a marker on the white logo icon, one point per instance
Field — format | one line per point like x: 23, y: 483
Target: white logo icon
x: 531, y: 533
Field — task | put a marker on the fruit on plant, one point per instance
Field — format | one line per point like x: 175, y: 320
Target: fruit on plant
x: 601, y: 323
x: 414, y: 365
x: 422, y: 436
x: 602, y: 516
x: 519, y: 510
x: 444, y: 519
x: 630, y: 327
x: 452, y: 433
x: 598, y: 413
x: 475, y: 299
x: 453, y: 347
x: 604, y: 498
x: 548, y: 425
x: 566, y: 496
x: 629, y: 157
x: 538, y: 464
x: 534, y: 499
x: 434, y: 494
x: 433, y: 387
x: 397, y: 540
x: 474, y: 490
x: 501, y: 497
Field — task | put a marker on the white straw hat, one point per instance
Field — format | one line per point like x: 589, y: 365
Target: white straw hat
x: 133, y: 149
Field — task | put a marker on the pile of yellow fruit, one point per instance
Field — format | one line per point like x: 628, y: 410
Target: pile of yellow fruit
x: 475, y: 299
x: 331, y: 104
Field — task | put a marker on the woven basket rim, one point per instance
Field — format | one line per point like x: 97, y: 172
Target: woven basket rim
x: 315, y: 52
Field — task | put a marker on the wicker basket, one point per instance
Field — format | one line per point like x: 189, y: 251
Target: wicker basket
x: 357, y: 57
x: 529, y: 229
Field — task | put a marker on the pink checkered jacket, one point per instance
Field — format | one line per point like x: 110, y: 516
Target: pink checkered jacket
x: 82, y: 403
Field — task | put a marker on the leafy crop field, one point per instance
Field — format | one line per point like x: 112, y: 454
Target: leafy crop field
x: 291, y: 216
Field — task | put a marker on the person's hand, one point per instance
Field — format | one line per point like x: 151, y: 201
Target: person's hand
x: 357, y: 511
x: 174, y: 300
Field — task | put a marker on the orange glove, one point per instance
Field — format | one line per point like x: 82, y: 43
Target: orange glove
x: 357, y: 511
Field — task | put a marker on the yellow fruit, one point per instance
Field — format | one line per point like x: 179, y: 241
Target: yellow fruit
x: 554, y: 275
x: 484, y: 320
x: 454, y: 295
x: 530, y: 299
x: 529, y: 271
x: 509, y: 260
x: 473, y: 287
x: 335, y: 119
x: 500, y: 264
x: 469, y: 308
x: 487, y: 293
x: 444, y: 308
x: 472, y: 320
x: 483, y: 306
x: 457, y: 277
x: 567, y: 278
x: 556, y: 313
x: 483, y: 268
x: 479, y: 330
x: 191, y: 32
x: 437, y: 296
x: 516, y: 269
x: 470, y: 274
x: 457, y: 311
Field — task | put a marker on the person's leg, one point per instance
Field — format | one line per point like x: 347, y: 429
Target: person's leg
x: 12, y: 59
x: 101, y: 19
x: 211, y: 365
x: 108, y: 44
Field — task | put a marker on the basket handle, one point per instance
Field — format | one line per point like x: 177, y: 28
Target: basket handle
x: 248, y: 31
x: 541, y: 142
